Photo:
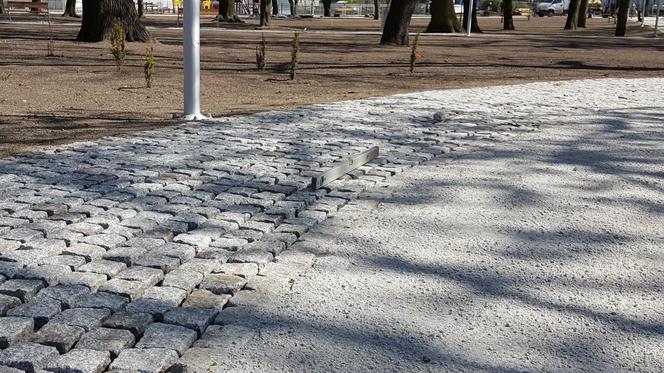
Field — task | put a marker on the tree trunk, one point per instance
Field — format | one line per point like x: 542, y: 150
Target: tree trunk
x: 466, y: 11
x: 583, y: 14
x: 376, y: 10
x: 572, y: 15
x: 275, y: 7
x: 443, y: 18
x: 623, y: 10
x: 266, y: 11
x: 508, y: 20
x: 397, y: 22
x: 140, y: 8
x: 227, y: 12
x: 98, y: 16
x: 2, y: 7
x: 293, y: 7
x: 70, y: 9
x: 326, y: 7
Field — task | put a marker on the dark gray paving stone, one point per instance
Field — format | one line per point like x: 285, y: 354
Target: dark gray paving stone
x: 86, y: 318
x: 204, y: 266
x: 215, y: 253
x: 41, y: 310
x: 106, y: 267
x: 112, y: 302
x: 107, y: 241
x: 124, y: 254
x: 80, y: 361
x: 61, y: 336
x: 172, y: 337
x: 136, y: 323
x: 223, y: 284
x: 14, y: 329
x: 155, y: 360
x: 87, y: 251
x: 67, y: 295
x: 156, y: 308
x: 130, y: 289
x: 180, y: 251
x: 9, y: 269
x: 8, y: 302
x: 197, y: 319
x: 28, y: 356
x: 148, y: 276
x: 200, y: 298
x: 158, y: 261
x: 21, y: 289
x: 107, y: 339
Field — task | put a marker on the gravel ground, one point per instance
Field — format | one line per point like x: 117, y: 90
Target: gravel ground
x: 541, y: 254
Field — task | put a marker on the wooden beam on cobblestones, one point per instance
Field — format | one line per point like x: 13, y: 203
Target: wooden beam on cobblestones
x: 345, y: 167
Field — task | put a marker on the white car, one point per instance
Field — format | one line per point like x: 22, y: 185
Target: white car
x: 552, y: 7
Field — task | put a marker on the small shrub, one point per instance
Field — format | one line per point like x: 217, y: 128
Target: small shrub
x: 118, y: 43
x: 149, y: 66
x: 260, y: 54
x: 414, y: 54
x: 295, y: 56
x: 5, y: 77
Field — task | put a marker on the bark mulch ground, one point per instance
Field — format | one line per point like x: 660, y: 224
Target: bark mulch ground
x: 79, y: 93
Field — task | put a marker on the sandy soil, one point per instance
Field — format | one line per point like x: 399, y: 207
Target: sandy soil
x: 79, y: 93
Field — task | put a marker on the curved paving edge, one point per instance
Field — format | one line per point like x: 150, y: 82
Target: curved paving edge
x: 120, y: 253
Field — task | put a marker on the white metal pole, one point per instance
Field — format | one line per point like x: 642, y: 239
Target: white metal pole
x: 659, y: 4
x: 192, y: 60
x: 469, y: 20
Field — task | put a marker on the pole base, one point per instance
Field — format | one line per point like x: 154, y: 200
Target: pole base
x: 191, y: 117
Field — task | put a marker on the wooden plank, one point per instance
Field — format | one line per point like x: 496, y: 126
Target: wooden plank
x: 344, y: 168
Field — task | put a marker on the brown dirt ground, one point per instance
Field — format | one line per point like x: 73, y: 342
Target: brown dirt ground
x: 79, y: 94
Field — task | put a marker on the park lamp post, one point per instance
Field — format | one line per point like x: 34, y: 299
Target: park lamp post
x: 192, y: 61
x: 469, y: 19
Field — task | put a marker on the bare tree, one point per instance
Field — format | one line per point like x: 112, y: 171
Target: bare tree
x: 70, y: 9
x: 508, y: 20
x: 397, y: 22
x: 443, y: 17
x: 98, y: 16
x: 572, y: 15
x: 583, y: 14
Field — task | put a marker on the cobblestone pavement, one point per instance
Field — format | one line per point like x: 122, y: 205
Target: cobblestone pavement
x: 121, y: 254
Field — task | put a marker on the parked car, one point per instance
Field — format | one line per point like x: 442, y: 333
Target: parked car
x: 552, y: 7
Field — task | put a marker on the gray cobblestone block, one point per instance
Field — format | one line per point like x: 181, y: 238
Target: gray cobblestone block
x: 14, y: 329
x: 172, y: 337
x: 68, y: 295
x: 181, y: 251
x: 144, y: 361
x: 145, y: 243
x: 68, y: 236
x: 6, y: 221
x: 30, y: 215
x: 27, y: 356
x: 107, y: 339
x: 71, y: 261
x: 8, y: 246
x: 49, y: 244
x: 223, y: 336
x: 142, y: 224
x: 23, y: 234
x: 171, y: 296
x: 9, y: 269
x: 49, y: 274
x: 87, y: 251
x: 197, y: 319
x: 198, y: 241
x: 200, y: 265
x: 26, y: 257
x: 58, y: 335
x: 245, y: 234
x: 50, y: 209
x: 125, y: 254
x: 107, y: 241
x: 231, y: 244
x: 4, y: 369
x: 80, y: 361
x: 222, y: 283
x: 112, y: 302
x: 206, y: 299
x: 234, y: 217
x: 318, y: 216
x: 145, y: 275
x: 159, y: 232
x: 22, y: 289
x: 193, y: 220
x: 40, y: 310
x: 161, y: 262
x: 130, y: 289
x: 287, y: 238
x: 136, y: 323
x: 87, y: 229
x: 245, y: 270
x: 156, y: 308
x: 86, y: 318
x: 106, y: 267
x: 91, y: 280
x: 175, y: 226
x: 183, y: 279
x: 70, y: 217
x: 257, y: 253
x: 121, y: 213
x: 123, y: 231
x: 8, y: 302
x: 215, y: 253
